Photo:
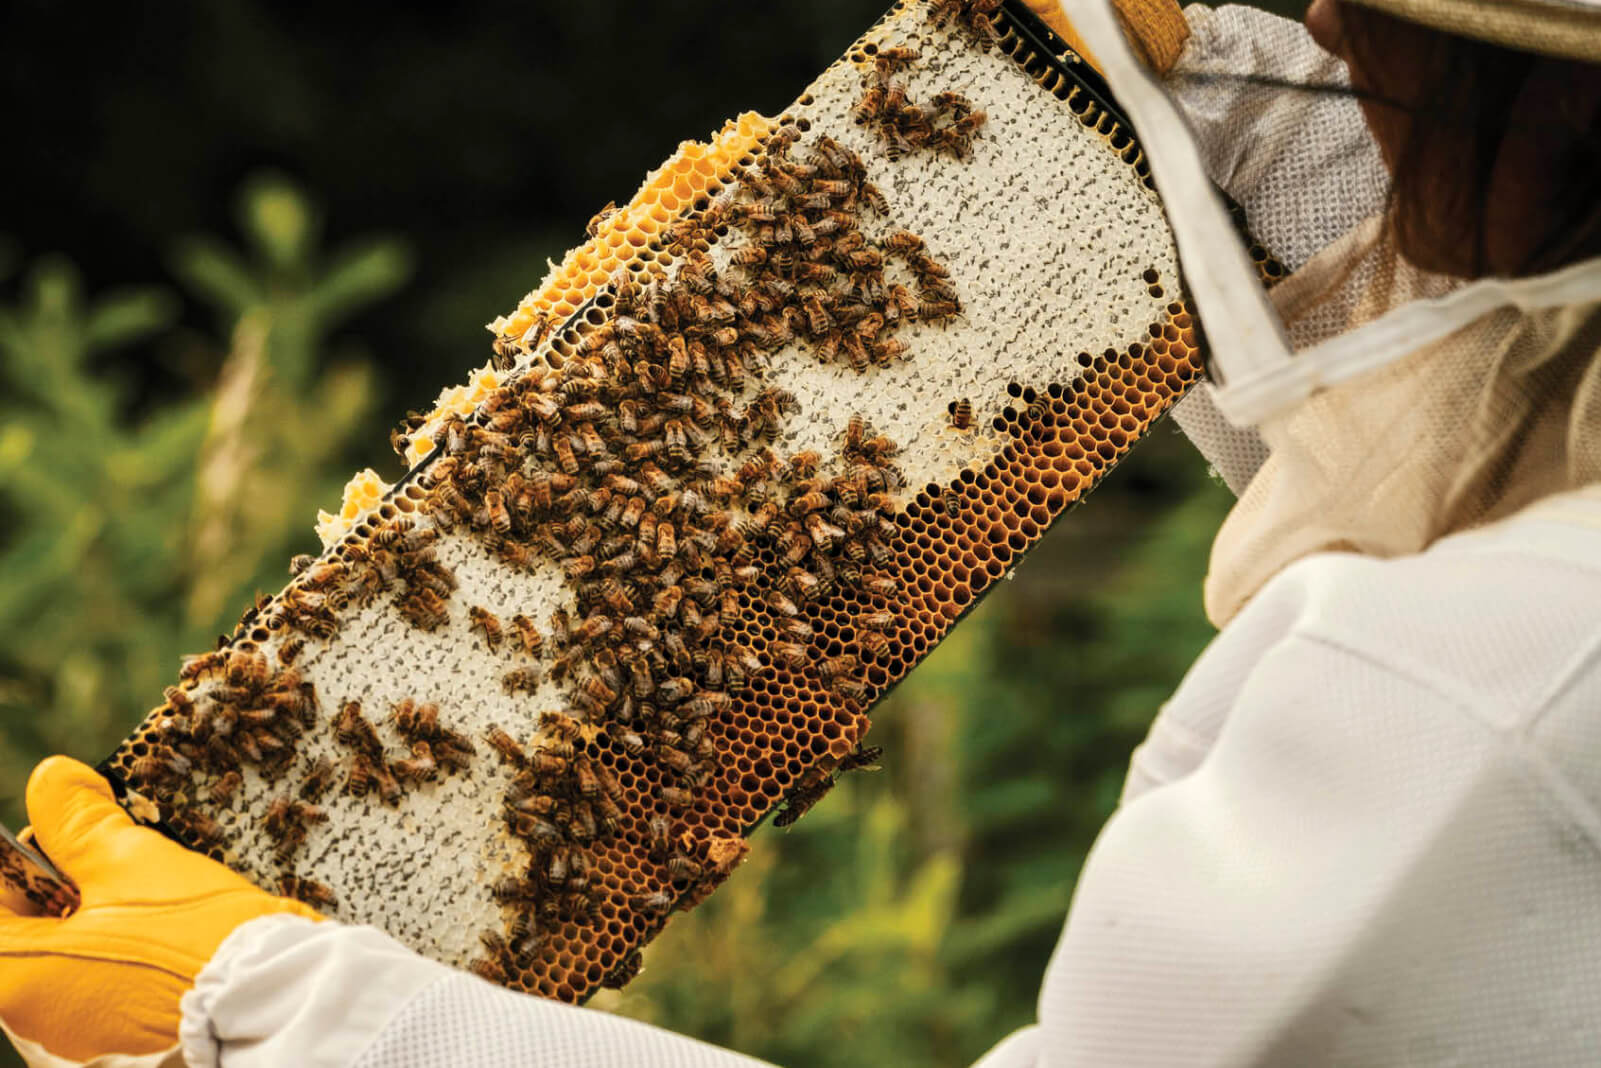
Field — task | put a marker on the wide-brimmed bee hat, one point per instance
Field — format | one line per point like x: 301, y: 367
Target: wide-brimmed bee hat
x: 1570, y: 29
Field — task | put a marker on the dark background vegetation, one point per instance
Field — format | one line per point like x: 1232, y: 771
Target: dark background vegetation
x: 240, y: 239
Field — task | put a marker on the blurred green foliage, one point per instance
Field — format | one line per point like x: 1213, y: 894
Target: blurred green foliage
x: 132, y: 537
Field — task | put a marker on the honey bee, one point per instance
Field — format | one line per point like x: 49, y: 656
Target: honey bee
x: 683, y: 868
x: 676, y: 796
x: 494, y: 944
x: 593, y: 227
x: 424, y: 609
x: 641, y: 679
x: 419, y: 767
x: 316, y: 782
x: 659, y: 835
x: 307, y: 891
x: 247, y: 669
x: 863, y: 757
x: 512, y: 890
x: 560, y: 623
x: 524, y: 680
x: 290, y: 650
x: 657, y: 904
x: 360, y: 777
x: 527, y: 635
x: 873, y: 643
x: 791, y: 654
x: 543, y: 762
x: 205, y: 832
x: 499, y: 517
x: 415, y: 720
x: 951, y: 501
x: 823, y: 533
x: 673, y: 690
x: 352, y: 729
x: 697, y: 273
x: 563, y: 446
x: 583, y: 827
x: 855, y: 689
x: 485, y: 620
x: 833, y: 667
x: 675, y: 760
x: 179, y: 700
x: 869, y: 194
x: 626, y: 971
x: 453, y: 752
x: 594, y: 625
x: 782, y: 604
x: 588, y: 782
x: 562, y: 666
x: 536, y: 829
x: 389, y: 790
x: 899, y: 55
x: 489, y: 970
x: 800, y: 801
x: 222, y: 791
x: 596, y: 689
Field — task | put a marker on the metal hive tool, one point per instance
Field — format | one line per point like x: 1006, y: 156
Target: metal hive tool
x: 737, y: 465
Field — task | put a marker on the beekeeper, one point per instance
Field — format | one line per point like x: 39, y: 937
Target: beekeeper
x: 1367, y: 827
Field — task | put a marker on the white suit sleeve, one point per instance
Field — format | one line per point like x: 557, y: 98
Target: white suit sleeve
x: 282, y: 990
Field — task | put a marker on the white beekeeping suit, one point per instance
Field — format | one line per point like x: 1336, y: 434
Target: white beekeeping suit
x: 1367, y: 828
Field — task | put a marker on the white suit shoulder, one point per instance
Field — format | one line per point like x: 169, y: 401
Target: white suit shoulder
x: 1364, y: 829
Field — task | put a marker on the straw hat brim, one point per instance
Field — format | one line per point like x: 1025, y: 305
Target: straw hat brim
x: 1570, y: 29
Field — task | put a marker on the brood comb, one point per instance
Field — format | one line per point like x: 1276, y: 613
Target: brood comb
x: 733, y: 470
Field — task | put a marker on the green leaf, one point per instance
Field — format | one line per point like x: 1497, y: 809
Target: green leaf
x: 215, y: 274
x: 278, y: 219
x: 124, y: 318
x: 359, y: 276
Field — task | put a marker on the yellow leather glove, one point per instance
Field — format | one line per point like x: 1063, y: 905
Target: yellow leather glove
x: 1156, y: 29
x: 108, y: 978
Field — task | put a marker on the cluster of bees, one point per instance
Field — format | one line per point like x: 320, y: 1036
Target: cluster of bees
x: 976, y: 17
x: 400, y: 557
x: 434, y: 750
x: 809, y: 271
x: 947, y: 123
x: 605, y: 469
x: 234, y: 709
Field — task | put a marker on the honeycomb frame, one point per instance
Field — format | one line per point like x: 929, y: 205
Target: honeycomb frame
x: 610, y: 823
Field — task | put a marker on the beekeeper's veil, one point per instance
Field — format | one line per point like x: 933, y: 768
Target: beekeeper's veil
x: 1396, y: 406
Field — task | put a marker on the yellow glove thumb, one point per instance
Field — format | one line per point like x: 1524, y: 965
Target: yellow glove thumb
x: 108, y: 978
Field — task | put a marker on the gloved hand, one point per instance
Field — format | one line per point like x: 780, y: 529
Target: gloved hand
x: 1156, y: 29
x: 108, y: 978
